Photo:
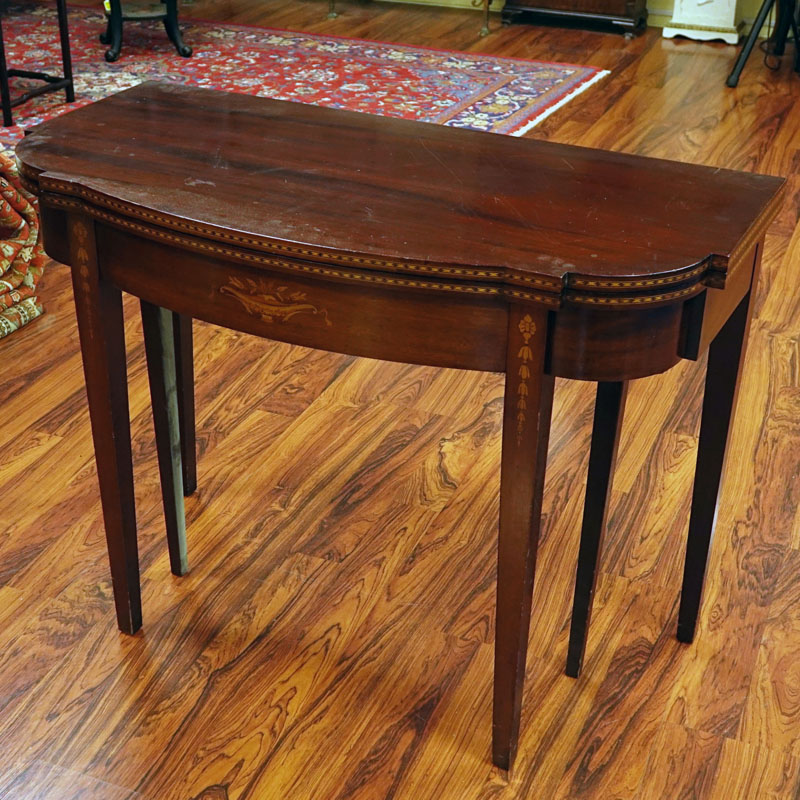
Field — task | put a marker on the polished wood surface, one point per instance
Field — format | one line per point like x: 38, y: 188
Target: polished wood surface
x: 629, y: 16
x: 169, y: 424
x: 394, y: 185
x: 126, y: 226
x: 648, y: 715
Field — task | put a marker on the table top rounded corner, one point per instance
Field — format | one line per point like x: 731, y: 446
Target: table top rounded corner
x: 385, y: 194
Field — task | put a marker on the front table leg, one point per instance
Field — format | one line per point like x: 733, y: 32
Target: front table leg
x: 725, y: 357
x: 526, y: 428
x: 157, y: 324
x: 100, y: 324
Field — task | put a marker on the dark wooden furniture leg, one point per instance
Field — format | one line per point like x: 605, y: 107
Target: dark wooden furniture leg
x: 608, y: 411
x: 485, y: 27
x: 5, y: 92
x: 160, y: 348
x: 173, y: 29
x: 526, y: 428
x: 66, y: 56
x: 725, y: 358
x: 113, y: 34
x: 184, y: 361
x: 100, y: 323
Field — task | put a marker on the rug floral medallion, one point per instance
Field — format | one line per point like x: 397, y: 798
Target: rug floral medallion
x: 465, y: 90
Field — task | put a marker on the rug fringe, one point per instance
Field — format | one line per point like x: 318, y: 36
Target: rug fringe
x: 563, y: 101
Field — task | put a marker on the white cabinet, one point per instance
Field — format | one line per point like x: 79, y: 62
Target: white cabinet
x: 705, y: 20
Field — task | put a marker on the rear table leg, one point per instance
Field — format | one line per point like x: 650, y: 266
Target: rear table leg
x: 184, y: 362
x: 160, y: 350
x: 608, y: 410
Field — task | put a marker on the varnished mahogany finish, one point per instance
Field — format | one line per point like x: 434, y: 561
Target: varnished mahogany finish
x: 416, y: 243
x: 725, y: 358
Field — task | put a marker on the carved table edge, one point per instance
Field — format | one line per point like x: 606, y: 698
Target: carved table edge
x: 514, y: 286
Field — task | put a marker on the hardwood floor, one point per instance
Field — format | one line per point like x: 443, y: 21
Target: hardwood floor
x: 333, y: 638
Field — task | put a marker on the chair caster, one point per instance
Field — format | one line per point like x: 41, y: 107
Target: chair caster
x: 184, y: 50
x: 111, y: 55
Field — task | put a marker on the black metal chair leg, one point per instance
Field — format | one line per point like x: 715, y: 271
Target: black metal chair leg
x: 785, y: 20
x: 105, y: 36
x: 66, y: 56
x: 114, y: 31
x: 733, y: 78
x: 173, y: 29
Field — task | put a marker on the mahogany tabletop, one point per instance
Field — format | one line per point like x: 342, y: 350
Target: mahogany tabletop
x: 391, y: 194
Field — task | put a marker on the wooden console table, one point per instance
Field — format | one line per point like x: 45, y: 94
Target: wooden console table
x: 415, y: 243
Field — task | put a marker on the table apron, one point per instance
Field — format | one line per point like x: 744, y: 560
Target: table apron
x: 436, y: 328
x: 396, y: 318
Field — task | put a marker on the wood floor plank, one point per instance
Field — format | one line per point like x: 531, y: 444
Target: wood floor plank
x: 755, y: 772
x: 683, y: 764
x: 771, y: 717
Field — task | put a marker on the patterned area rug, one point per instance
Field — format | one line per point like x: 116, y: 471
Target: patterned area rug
x: 464, y: 90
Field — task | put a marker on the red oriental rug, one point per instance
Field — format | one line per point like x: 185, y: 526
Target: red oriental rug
x: 466, y: 90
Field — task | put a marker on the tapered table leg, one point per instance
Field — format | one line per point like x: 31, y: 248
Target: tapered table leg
x: 526, y: 428
x: 725, y: 357
x: 184, y: 361
x: 160, y: 349
x: 100, y: 325
x: 608, y: 411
